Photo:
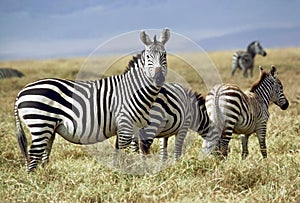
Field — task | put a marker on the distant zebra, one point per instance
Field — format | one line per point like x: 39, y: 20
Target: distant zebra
x: 175, y: 110
x: 86, y: 112
x: 10, y: 72
x: 244, y: 60
x: 233, y: 111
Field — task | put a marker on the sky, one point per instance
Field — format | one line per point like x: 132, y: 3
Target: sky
x: 35, y: 29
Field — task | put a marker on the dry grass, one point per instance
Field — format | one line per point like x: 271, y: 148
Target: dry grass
x: 74, y: 176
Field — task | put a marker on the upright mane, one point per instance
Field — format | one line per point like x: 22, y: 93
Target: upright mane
x: 200, y: 98
x: 250, y: 45
x: 263, y: 75
x: 131, y: 63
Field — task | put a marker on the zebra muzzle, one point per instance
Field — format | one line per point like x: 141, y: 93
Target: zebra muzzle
x: 159, y: 78
x: 285, y: 106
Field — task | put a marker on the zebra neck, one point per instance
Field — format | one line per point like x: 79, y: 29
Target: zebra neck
x: 135, y: 81
x: 251, y: 51
x: 263, y: 92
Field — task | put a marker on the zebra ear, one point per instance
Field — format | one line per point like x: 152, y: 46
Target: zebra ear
x: 260, y: 69
x: 145, y: 38
x: 165, y: 36
x: 273, y: 70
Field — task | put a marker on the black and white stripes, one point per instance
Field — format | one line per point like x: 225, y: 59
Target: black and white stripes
x: 234, y: 111
x: 175, y: 110
x: 244, y: 60
x: 86, y: 112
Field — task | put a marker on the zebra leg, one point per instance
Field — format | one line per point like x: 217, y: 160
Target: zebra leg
x: 145, y: 141
x: 225, y: 139
x: 244, y: 139
x: 163, y: 149
x: 135, y: 144
x: 251, y: 71
x: 46, y: 154
x: 245, y: 72
x: 261, y: 135
x: 179, y: 139
x: 37, y: 148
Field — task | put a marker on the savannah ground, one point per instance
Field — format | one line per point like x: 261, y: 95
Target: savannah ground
x: 73, y: 175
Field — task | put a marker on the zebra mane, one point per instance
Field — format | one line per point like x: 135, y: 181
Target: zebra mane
x: 193, y: 93
x: 249, y: 48
x: 132, y: 62
x: 263, y: 75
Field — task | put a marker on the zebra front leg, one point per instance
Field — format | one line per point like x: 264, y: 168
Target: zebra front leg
x: 245, y: 72
x: 179, y: 140
x: 46, y: 154
x: 244, y: 139
x: 145, y: 141
x: 163, y: 149
x: 251, y: 71
x: 261, y: 135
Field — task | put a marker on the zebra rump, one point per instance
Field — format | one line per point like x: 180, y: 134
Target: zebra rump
x: 10, y: 72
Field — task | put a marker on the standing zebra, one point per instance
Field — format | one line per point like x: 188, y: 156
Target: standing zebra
x: 244, y: 60
x: 86, y: 112
x: 175, y: 110
x: 233, y: 111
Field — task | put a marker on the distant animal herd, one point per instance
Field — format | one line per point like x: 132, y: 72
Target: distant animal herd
x: 87, y: 112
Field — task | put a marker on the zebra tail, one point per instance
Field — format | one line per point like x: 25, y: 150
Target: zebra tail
x: 20, y: 134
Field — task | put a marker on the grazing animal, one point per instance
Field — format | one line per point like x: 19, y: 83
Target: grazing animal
x: 233, y: 111
x: 10, y: 72
x: 244, y: 60
x: 175, y: 110
x: 86, y: 112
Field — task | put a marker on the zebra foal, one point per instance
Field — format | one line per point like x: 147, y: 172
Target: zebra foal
x: 175, y: 110
x: 233, y: 111
x: 244, y: 60
x: 87, y: 112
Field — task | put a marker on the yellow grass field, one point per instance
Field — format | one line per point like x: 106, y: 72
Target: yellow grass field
x: 73, y: 175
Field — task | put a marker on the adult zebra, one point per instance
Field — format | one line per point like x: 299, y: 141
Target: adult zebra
x: 233, y: 111
x: 175, y: 110
x: 86, y: 112
x: 244, y: 60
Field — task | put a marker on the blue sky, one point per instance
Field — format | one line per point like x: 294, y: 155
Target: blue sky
x: 34, y: 29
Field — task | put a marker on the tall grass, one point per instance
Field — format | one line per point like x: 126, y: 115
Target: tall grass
x: 73, y: 175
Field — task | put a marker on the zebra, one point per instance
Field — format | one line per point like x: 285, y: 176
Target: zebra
x: 87, y: 112
x: 10, y: 72
x: 175, y: 110
x: 244, y: 60
x: 234, y: 111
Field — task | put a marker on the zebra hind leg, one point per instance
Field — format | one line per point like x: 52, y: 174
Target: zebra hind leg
x: 46, y: 154
x: 37, y: 148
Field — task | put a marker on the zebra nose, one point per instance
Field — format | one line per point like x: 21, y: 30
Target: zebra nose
x: 159, y: 78
x: 285, y: 106
x: 265, y: 53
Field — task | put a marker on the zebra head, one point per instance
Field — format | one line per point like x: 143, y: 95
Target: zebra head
x: 154, y: 57
x: 277, y: 95
x: 256, y: 48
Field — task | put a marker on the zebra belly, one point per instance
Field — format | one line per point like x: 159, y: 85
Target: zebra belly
x: 241, y: 128
x: 85, y: 133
